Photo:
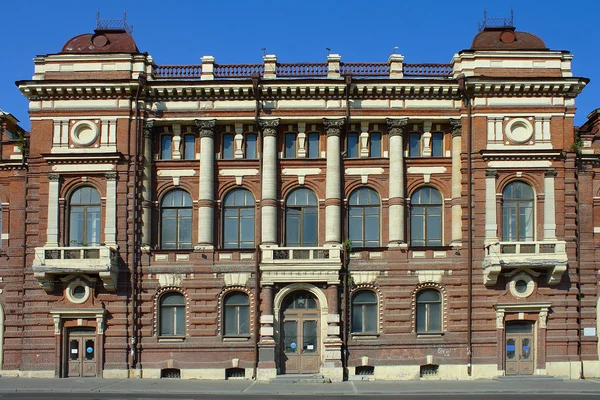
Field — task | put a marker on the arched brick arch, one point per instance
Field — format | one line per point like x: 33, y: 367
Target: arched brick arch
x: 221, y: 310
x: 156, y: 303
x: 375, y: 289
x: 439, y: 288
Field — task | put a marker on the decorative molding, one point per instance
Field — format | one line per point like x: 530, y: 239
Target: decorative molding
x: 456, y: 127
x: 333, y: 127
x: 148, y: 127
x: 269, y: 126
x: 206, y: 128
x: 396, y: 126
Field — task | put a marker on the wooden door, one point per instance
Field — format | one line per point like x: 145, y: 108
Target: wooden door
x: 519, y: 349
x: 81, y: 357
x: 299, y: 335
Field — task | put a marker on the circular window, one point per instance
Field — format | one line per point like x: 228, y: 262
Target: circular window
x: 84, y: 133
x: 519, y: 130
x: 78, y: 291
x: 521, y: 286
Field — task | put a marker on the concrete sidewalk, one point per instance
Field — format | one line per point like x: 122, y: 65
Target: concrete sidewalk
x: 173, y: 386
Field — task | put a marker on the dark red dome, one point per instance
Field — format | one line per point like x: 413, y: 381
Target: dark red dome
x: 506, y: 38
x: 101, y: 42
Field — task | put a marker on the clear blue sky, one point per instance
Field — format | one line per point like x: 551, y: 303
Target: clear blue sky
x: 180, y: 32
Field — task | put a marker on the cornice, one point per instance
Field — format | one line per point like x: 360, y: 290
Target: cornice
x: 513, y: 155
x: 526, y: 87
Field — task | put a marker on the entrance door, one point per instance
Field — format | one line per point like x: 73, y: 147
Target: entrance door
x: 519, y: 348
x: 81, y: 348
x: 299, y: 334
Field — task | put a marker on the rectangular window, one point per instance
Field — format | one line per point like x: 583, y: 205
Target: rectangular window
x: 375, y: 149
x: 290, y: 145
x: 437, y: 145
x: 166, y: 143
x: 313, y: 145
x: 227, y: 147
x: 353, y: 145
x: 414, y: 144
x: 250, y: 146
x: 189, y: 147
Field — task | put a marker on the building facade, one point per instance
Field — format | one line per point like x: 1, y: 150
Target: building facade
x: 243, y: 221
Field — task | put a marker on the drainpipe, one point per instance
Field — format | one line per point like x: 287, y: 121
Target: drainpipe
x: 462, y: 83
x: 134, y: 241
x: 579, y: 166
x: 256, y: 87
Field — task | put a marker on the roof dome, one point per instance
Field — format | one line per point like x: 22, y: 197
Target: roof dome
x: 105, y: 41
x: 506, y: 38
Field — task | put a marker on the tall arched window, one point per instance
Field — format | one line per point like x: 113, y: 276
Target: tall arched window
x: 237, y: 314
x: 84, y: 217
x: 363, y: 218
x: 426, y: 217
x: 517, y: 212
x: 176, y: 220
x: 301, y: 219
x: 238, y: 219
x: 429, y: 311
x: 172, y: 315
x: 364, y: 312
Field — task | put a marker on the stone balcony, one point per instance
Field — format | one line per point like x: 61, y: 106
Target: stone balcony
x: 547, y: 256
x: 51, y: 262
x: 300, y: 264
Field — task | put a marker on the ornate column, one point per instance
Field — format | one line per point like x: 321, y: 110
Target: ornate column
x: 456, y: 129
x: 549, y: 206
x: 147, y: 186
x: 491, y: 224
x: 53, y: 194
x: 396, y: 184
x: 268, y: 201
x: 110, y: 224
x: 333, y: 187
x: 206, y: 197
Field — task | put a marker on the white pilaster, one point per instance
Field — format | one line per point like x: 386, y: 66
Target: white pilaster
x: 269, y: 181
x: 549, y: 206
x: 206, y: 193
x: 53, y: 193
x: 110, y: 224
x: 455, y: 126
x: 396, y: 185
x: 147, y: 186
x: 491, y: 225
x: 333, y: 189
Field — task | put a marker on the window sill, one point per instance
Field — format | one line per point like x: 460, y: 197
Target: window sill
x: 365, y: 336
x: 169, y: 339
x: 236, y: 338
x: 433, y: 335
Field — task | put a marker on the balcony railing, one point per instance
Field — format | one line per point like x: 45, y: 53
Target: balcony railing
x: 547, y: 256
x: 238, y: 70
x: 427, y: 70
x: 300, y: 254
x: 301, y: 70
x: 91, y: 260
x: 177, y: 71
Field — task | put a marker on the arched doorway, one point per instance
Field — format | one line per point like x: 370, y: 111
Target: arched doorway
x: 300, y: 334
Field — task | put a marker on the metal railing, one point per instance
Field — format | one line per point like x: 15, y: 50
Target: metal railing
x: 178, y: 71
x: 238, y: 70
x: 301, y: 70
x: 359, y: 69
x: 427, y: 70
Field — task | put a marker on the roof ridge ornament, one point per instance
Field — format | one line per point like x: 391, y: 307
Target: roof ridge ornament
x: 502, y: 22
x: 113, y: 24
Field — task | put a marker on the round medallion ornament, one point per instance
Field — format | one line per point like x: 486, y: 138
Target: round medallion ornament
x: 84, y: 133
x: 519, y: 130
x: 521, y: 286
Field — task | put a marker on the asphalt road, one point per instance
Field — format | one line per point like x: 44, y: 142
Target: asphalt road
x: 120, y: 396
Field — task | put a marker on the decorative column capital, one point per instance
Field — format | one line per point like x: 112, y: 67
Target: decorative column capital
x: 148, y: 126
x: 53, y: 177
x: 490, y: 173
x: 396, y: 126
x: 206, y: 127
x: 550, y: 173
x: 456, y: 127
x: 333, y: 127
x: 269, y: 126
x: 111, y: 176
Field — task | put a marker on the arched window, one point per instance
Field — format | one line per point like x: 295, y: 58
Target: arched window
x: 176, y: 220
x: 238, y: 219
x: 172, y: 314
x: 236, y: 321
x: 517, y: 212
x: 364, y: 312
x: 84, y: 217
x: 429, y: 311
x: 301, y: 219
x: 426, y: 217
x: 363, y: 218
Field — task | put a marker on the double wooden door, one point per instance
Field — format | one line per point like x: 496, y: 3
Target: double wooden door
x: 299, y: 335
x: 519, y: 349
x: 81, y: 353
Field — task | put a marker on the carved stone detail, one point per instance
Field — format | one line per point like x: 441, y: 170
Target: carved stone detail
x: 396, y: 126
x: 550, y: 173
x: 333, y: 127
x: 269, y: 126
x: 456, y: 127
x: 148, y: 127
x: 490, y: 173
x: 53, y: 177
x: 206, y: 128
x: 111, y: 176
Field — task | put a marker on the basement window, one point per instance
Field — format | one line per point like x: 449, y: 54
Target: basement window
x: 170, y: 373
x: 365, y: 370
x: 429, y: 370
x: 235, y: 373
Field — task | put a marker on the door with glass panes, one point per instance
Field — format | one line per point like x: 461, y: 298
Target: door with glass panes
x: 519, y: 348
x: 299, y: 334
x: 81, y: 357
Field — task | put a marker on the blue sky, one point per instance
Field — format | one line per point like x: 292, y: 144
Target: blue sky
x: 180, y: 32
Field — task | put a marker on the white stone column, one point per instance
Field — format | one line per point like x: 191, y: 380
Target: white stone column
x: 396, y: 220
x: 147, y: 187
x: 549, y: 206
x: 333, y: 186
x: 53, y: 193
x: 456, y: 128
x: 206, y: 196
x: 269, y: 196
x: 491, y: 224
x: 110, y: 220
